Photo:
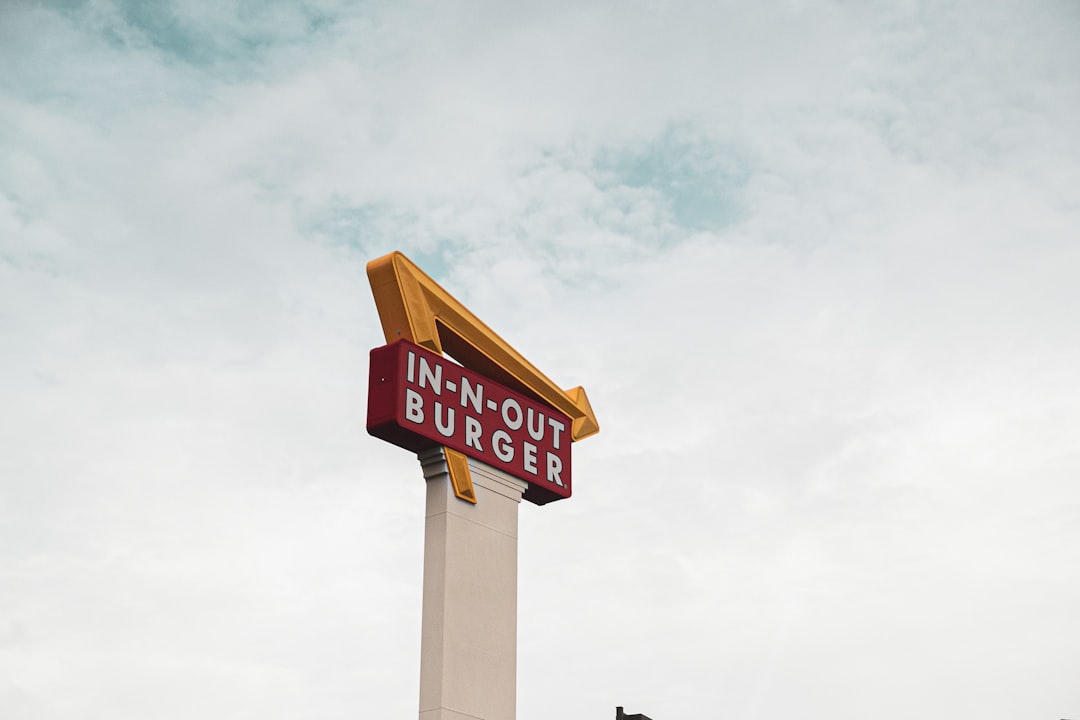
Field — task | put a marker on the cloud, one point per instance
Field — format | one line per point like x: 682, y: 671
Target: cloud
x: 815, y: 264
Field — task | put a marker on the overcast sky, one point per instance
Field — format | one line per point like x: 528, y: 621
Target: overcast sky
x: 816, y: 264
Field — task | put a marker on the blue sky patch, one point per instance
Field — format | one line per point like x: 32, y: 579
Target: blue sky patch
x: 699, y: 183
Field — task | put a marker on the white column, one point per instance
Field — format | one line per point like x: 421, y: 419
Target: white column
x: 468, y: 654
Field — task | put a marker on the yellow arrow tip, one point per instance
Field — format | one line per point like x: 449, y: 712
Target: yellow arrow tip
x: 587, y: 424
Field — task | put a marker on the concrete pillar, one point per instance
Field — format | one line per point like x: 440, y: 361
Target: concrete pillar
x: 468, y: 653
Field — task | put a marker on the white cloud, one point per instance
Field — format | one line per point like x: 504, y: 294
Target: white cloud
x: 815, y: 265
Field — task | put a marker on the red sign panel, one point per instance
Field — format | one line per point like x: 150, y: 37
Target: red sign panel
x: 418, y: 399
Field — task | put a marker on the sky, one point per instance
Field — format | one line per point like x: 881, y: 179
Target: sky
x: 814, y: 262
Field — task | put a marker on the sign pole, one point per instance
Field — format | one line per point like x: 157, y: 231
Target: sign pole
x: 468, y: 656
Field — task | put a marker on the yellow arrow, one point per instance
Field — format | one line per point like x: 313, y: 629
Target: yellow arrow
x: 413, y: 306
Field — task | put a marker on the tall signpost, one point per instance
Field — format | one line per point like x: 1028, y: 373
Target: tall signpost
x: 489, y: 430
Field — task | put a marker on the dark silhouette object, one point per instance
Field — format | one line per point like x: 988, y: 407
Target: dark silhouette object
x: 620, y: 715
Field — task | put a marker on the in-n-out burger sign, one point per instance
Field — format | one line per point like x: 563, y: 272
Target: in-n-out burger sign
x: 495, y: 406
x: 417, y: 399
